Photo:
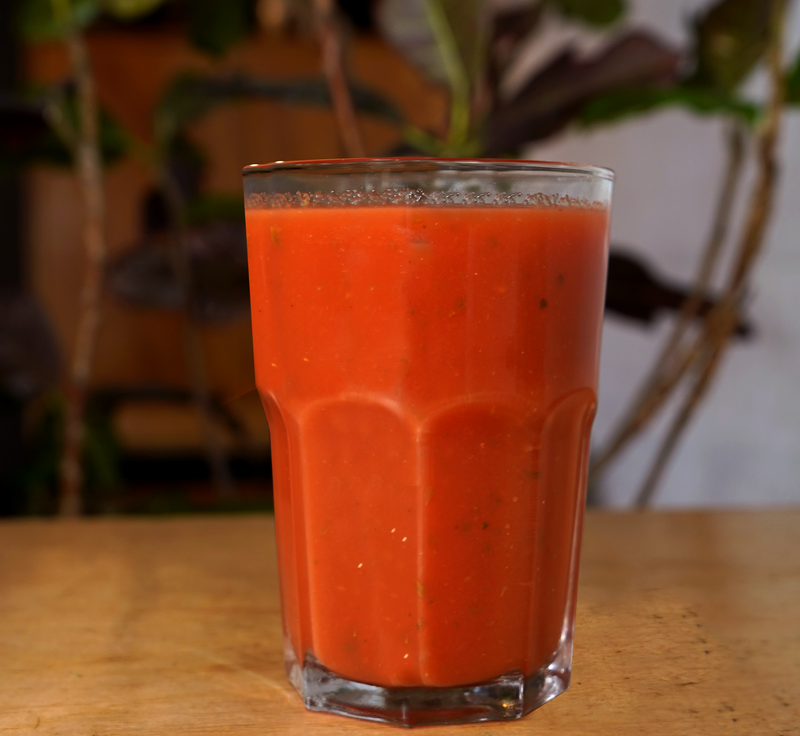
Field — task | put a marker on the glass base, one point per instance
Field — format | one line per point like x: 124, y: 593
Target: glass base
x: 509, y: 696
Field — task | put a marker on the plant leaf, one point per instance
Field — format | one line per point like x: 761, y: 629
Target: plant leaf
x: 130, y: 9
x: 101, y: 453
x: 793, y: 83
x: 38, y: 21
x: 468, y: 24
x: 27, y: 139
x: 510, y: 28
x: 144, y: 276
x: 192, y: 96
x: 217, y: 25
x: 621, y: 104
x: 729, y: 40
x: 208, y: 208
x: 557, y: 93
x: 448, y: 40
x: 593, y: 12
x: 37, y: 478
x: 22, y: 125
x: 407, y: 26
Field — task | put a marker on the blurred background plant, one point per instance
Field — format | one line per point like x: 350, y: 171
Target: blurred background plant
x: 189, y: 257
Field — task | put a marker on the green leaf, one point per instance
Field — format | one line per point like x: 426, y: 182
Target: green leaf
x: 406, y: 26
x: 192, y: 96
x: 793, y: 83
x: 44, y: 20
x: 217, y: 25
x: 467, y: 20
x: 208, y: 208
x: 617, y: 105
x: 40, y: 145
x: 37, y: 478
x: 729, y: 40
x: 592, y: 12
x: 448, y: 40
x: 130, y: 9
x: 114, y: 139
x: 410, y: 26
x: 557, y: 92
x: 101, y: 453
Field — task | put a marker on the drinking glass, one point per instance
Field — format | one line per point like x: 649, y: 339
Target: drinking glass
x: 426, y: 336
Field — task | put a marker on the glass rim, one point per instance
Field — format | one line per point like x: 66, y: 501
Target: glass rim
x: 400, y: 164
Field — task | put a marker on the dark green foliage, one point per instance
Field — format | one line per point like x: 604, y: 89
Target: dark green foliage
x: 127, y: 10
x: 36, y: 481
x: 45, y: 20
x: 621, y: 104
x: 593, y: 12
x: 39, y: 21
x: 27, y: 139
x: 207, y: 208
x: 215, y: 26
x: 554, y: 96
x: 729, y: 40
x: 191, y: 96
x: 411, y: 26
x: 793, y: 83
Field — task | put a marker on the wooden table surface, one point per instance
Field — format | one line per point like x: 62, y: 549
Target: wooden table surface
x: 688, y: 623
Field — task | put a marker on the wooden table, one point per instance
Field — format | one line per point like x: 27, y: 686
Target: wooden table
x: 688, y: 623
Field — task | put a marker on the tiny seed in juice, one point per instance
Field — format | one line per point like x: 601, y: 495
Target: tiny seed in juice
x: 543, y: 304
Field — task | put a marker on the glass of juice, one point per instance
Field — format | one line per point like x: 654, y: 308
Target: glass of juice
x: 426, y: 336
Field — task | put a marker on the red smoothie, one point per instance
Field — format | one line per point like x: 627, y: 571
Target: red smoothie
x: 429, y: 374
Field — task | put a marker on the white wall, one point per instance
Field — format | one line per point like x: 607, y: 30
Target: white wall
x: 744, y: 446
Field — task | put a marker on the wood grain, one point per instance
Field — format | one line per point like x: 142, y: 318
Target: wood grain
x: 688, y: 623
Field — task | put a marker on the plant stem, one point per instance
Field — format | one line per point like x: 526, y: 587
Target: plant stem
x: 673, y: 361
x: 90, y: 176
x: 722, y: 319
x: 332, y: 66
